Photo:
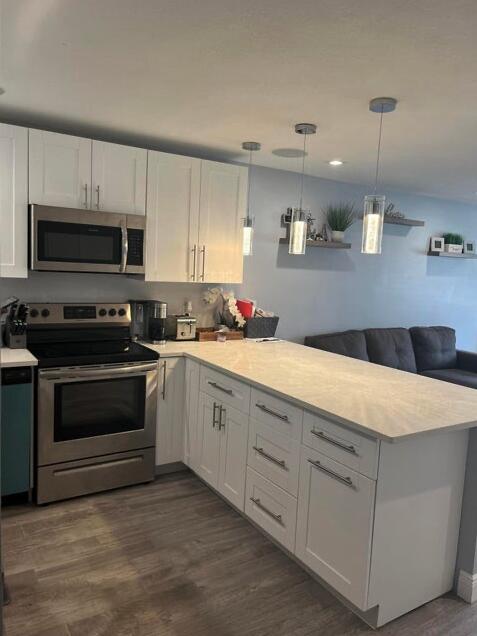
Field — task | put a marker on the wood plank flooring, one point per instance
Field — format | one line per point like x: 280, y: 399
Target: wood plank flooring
x: 172, y: 559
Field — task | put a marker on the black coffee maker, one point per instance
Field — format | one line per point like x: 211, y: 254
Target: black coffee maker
x: 148, y: 320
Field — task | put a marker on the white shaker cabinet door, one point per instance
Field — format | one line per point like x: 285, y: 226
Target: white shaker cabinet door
x: 13, y: 201
x: 191, y: 416
x: 334, y: 524
x: 170, y: 411
x: 233, y: 433
x: 119, y: 176
x: 223, y: 206
x: 173, y: 191
x: 59, y: 169
x: 208, y: 440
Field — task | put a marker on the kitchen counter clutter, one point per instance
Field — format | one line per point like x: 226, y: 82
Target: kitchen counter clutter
x: 16, y: 358
x: 298, y: 440
x: 385, y: 403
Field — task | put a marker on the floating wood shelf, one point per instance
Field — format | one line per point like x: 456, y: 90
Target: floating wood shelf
x: 327, y: 244
x: 449, y: 255
x: 395, y: 220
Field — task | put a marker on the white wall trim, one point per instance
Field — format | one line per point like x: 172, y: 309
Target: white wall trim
x: 467, y: 586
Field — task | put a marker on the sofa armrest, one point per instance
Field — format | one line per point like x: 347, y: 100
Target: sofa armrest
x: 467, y: 360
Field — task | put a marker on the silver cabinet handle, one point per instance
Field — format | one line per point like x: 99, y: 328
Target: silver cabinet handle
x: 202, y: 251
x: 214, y: 421
x: 194, y: 252
x: 260, y: 505
x: 265, y: 409
x: 97, y: 197
x: 221, y: 412
x: 85, y: 195
x: 221, y: 388
x: 271, y: 458
x: 344, y: 480
x: 164, y: 380
x: 348, y: 448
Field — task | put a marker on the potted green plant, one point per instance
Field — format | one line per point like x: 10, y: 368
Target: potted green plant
x: 339, y: 217
x: 453, y: 243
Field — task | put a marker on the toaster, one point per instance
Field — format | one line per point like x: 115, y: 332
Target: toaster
x: 181, y: 327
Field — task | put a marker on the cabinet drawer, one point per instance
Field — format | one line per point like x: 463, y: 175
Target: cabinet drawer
x: 352, y: 449
x: 283, y: 416
x: 274, y: 455
x: 271, y: 508
x: 225, y: 389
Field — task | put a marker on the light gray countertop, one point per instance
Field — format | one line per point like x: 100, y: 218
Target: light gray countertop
x: 385, y: 403
x: 16, y: 358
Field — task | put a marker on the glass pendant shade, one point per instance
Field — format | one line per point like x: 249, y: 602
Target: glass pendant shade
x: 373, y: 220
x: 248, y: 223
x: 298, y: 231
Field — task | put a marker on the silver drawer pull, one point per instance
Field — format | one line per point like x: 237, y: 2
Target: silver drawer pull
x: 344, y: 480
x: 349, y: 449
x: 221, y: 388
x: 260, y: 505
x: 265, y: 409
x: 271, y: 458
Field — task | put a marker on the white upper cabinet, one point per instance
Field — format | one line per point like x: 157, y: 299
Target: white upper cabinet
x: 13, y: 201
x: 223, y: 201
x: 119, y: 178
x: 60, y: 170
x: 173, y: 191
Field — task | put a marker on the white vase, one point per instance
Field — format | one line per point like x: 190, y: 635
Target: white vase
x: 336, y: 236
x: 453, y: 248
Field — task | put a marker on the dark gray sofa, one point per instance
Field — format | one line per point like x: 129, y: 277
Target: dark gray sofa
x: 429, y: 351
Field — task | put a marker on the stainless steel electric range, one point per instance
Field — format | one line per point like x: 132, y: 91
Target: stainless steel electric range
x: 95, y: 401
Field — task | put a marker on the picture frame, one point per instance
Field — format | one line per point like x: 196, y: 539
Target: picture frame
x: 469, y: 247
x: 437, y: 244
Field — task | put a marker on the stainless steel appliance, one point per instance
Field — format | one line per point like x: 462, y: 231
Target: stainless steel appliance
x: 147, y: 319
x: 70, y: 240
x: 181, y: 327
x: 96, y: 400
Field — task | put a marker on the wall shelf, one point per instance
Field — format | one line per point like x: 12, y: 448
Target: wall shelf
x: 395, y: 220
x: 326, y: 244
x: 448, y: 255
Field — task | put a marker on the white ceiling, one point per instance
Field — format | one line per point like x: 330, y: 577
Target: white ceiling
x: 201, y: 76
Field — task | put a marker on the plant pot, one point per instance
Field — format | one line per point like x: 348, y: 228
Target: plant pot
x: 337, y: 236
x: 452, y: 248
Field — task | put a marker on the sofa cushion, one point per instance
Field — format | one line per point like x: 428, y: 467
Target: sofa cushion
x: 391, y: 348
x: 456, y: 376
x: 434, y: 347
x: 347, y: 343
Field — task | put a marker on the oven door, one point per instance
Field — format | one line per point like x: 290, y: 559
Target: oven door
x: 90, y: 411
x: 69, y: 240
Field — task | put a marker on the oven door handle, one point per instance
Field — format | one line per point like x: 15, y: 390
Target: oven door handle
x: 100, y: 372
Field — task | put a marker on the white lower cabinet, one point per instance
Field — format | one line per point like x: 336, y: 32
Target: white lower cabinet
x: 271, y: 508
x: 191, y: 418
x: 334, y: 524
x: 170, y: 412
x: 221, y: 442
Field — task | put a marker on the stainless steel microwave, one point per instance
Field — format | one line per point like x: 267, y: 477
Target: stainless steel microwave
x: 70, y: 240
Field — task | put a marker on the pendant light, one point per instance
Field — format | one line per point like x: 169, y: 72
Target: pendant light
x: 298, y: 225
x: 374, y: 204
x: 248, y: 222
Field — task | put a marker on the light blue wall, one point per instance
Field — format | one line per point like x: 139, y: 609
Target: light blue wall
x: 332, y: 290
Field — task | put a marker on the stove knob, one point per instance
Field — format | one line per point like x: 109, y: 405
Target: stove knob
x: 45, y: 313
x: 122, y: 312
x: 112, y: 312
x: 34, y: 313
x: 102, y: 312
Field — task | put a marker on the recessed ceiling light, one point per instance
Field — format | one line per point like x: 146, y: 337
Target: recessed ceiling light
x: 336, y: 162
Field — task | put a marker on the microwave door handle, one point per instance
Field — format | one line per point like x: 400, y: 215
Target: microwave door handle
x: 124, y: 248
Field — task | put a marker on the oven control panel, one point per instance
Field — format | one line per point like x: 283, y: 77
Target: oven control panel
x: 79, y: 313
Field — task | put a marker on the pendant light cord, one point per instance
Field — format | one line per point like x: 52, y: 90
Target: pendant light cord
x: 303, y: 171
x: 379, y: 151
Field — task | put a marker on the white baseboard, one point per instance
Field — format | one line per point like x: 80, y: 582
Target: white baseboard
x: 467, y: 586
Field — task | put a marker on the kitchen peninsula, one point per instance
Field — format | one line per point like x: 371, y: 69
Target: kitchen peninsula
x: 354, y: 468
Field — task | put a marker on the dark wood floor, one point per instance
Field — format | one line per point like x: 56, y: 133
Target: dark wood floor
x: 172, y: 559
